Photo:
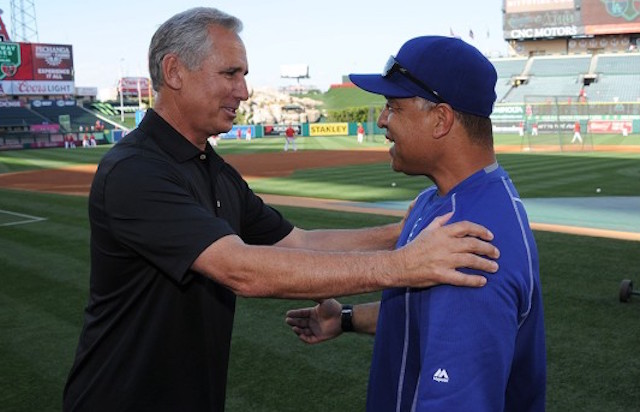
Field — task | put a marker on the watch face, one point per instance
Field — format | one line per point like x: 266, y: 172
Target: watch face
x: 346, y: 318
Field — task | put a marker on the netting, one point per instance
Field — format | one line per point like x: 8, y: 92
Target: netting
x: 555, y: 123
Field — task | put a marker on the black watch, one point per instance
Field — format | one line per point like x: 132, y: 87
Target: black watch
x: 346, y: 318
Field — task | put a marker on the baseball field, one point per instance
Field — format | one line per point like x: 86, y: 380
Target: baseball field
x: 583, y: 205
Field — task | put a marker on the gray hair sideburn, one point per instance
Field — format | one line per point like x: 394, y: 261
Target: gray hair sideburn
x: 186, y: 35
x: 478, y: 128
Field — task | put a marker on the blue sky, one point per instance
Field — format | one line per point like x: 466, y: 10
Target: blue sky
x: 333, y: 37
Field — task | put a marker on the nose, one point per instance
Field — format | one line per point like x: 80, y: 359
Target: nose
x: 383, y: 118
x: 241, y: 91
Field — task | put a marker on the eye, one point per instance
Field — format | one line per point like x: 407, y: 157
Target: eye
x: 230, y: 72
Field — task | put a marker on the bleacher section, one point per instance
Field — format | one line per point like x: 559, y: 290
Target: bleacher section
x: 551, y: 75
x: 54, y: 109
x: 618, y: 64
x: 547, y: 86
x: 19, y: 117
x: 554, y: 66
x: 507, y: 69
x: 618, y: 79
x: 615, y: 88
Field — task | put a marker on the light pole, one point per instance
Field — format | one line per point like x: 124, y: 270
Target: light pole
x: 120, y: 87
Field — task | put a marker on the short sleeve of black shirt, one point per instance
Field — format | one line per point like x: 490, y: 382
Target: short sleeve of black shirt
x: 166, y: 202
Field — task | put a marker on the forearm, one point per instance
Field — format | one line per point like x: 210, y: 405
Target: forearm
x: 270, y: 271
x: 373, y: 238
x: 365, y: 317
x: 276, y: 271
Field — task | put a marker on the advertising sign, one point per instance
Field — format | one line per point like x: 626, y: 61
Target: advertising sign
x: 611, y: 16
x: 609, y: 126
x: 531, y: 19
x: 134, y: 86
x: 36, y: 69
x: 329, y: 129
x: 279, y: 129
x: 52, y: 62
x: 9, y: 59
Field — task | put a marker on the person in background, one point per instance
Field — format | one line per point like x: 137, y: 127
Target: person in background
x: 177, y: 234
x: 446, y: 348
x: 290, y: 138
x: 360, y: 132
x: 576, y: 132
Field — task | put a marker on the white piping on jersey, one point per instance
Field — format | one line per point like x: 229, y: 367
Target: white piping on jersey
x: 515, y: 200
x: 405, y: 346
x: 414, y: 404
x: 415, y: 225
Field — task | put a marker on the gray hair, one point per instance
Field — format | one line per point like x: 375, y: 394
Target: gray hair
x: 187, y: 36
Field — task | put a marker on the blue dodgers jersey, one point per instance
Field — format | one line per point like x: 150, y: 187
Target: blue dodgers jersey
x: 466, y: 349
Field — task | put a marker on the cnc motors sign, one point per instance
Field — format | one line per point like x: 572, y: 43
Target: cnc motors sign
x: 535, y: 19
x: 34, y: 69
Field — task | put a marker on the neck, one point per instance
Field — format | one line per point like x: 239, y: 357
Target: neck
x: 174, y: 117
x: 457, y: 167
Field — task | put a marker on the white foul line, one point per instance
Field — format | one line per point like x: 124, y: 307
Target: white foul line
x: 31, y: 219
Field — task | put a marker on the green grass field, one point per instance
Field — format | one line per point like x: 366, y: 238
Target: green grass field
x: 593, y: 339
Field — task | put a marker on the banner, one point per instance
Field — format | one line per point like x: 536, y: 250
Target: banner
x: 608, y: 126
x: 52, y: 62
x: 535, y: 19
x: 279, y: 129
x: 134, y: 86
x: 238, y: 132
x: 10, y: 103
x: 36, y: 69
x: 45, y: 128
x: 329, y: 129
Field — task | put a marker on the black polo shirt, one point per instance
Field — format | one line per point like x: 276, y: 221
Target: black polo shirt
x: 156, y: 335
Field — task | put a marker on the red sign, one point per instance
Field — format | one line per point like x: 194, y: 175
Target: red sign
x: 132, y: 86
x: 43, y: 62
x: 52, y: 62
x: 50, y: 128
x: 609, y: 126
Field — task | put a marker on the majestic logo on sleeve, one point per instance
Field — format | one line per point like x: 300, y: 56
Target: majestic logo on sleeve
x: 441, y: 375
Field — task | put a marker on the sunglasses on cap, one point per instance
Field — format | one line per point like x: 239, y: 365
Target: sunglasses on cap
x: 393, y: 66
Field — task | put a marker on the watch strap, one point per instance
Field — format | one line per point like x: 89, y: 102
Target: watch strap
x: 346, y: 318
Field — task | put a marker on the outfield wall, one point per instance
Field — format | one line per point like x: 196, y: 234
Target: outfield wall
x: 552, y: 117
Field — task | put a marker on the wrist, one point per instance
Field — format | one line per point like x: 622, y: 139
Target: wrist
x: 346, y: 318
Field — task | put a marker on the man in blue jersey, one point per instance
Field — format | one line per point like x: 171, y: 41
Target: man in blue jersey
x: 445, y: 347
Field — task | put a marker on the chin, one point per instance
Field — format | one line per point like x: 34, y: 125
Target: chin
x: 223, y: 127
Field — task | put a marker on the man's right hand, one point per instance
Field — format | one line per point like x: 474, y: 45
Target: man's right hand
x: 316, y: 324
x: 439, y: 250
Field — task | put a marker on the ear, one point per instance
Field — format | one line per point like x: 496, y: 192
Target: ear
x: 444, y: 118
x: 172, y: 69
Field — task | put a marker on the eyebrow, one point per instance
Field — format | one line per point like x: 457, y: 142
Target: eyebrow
x: 233, y: 70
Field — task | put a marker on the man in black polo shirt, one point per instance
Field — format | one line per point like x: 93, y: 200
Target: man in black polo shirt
x: 176, y: 234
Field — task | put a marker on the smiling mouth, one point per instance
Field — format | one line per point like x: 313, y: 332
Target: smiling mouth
x: 231, y: 111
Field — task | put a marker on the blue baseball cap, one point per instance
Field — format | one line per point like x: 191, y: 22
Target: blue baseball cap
x: 440, y: 69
